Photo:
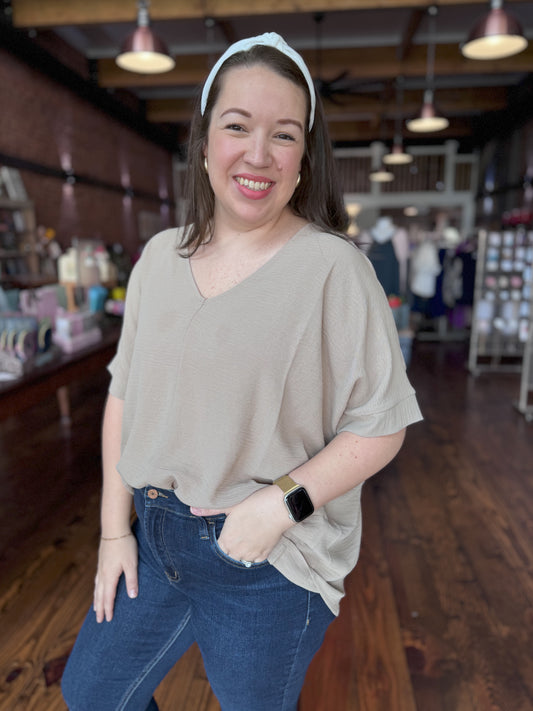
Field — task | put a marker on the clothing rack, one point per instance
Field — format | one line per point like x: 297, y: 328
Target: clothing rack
x: 448, y: 314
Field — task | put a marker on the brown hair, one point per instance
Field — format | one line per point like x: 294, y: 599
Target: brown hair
x: 318, y: 197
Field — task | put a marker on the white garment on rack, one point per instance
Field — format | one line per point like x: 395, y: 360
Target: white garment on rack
x: 383, y: 230
x: 425, y: 267
x: 402, y: 248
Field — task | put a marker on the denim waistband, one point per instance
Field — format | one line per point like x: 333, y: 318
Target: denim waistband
x: 156, y: 497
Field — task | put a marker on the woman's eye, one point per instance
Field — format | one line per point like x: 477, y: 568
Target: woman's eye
x: 234, y: 127
x: 285, y: 136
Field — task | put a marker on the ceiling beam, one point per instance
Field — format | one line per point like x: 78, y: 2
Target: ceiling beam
x: 379, y: 62
x: 169, y: 110
x: 360, y: 108
x: 365, y: 132
x: 53, y: 13
x: 416, y: 16
x: 449, y: 101
x: 368, y: 63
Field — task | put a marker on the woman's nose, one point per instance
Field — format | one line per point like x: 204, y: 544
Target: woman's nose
x: 258, y: 152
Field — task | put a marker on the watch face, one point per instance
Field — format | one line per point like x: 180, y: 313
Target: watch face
x: 299, y: 504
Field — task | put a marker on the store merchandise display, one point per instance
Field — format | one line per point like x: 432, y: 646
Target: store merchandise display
x: 22, y: 340
x: 74, y: 331
x: 503, y: 297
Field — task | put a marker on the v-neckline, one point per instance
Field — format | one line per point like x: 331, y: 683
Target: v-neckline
x: 270, y: 261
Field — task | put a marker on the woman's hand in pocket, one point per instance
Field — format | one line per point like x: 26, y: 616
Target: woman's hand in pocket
x: 252, y: 527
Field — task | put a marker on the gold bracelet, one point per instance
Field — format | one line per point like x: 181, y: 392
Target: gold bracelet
x: 116, y: 538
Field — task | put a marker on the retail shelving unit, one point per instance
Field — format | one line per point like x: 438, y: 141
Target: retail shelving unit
x: 19, y: 259
x: 502, y: 301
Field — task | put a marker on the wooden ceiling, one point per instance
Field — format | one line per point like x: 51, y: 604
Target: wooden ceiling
x: 374, y: 47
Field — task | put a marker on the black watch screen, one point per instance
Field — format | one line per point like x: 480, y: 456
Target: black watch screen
x: 299, y: 504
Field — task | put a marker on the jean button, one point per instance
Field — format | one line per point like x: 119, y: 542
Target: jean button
x: 152, y: 493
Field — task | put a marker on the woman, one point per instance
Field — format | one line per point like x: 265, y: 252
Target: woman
x: 258, y: 382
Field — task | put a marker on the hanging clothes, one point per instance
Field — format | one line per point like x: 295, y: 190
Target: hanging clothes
x: 383, y: 256
x: 452, y: 281
x: 425, y: 267
x: 402, y: 250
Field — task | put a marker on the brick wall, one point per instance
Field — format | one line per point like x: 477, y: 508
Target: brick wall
x: 43, y: 122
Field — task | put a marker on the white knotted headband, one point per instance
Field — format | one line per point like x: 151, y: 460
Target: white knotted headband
x: 269, y: 39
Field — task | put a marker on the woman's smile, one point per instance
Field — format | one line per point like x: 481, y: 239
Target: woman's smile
x: 254, y: 187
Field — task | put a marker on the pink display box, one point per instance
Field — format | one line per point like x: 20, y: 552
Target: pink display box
x: 69, y: 324
x: 41, y: 303
x: 76, y: 343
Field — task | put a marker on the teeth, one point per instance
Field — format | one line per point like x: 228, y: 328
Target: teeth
x: 253, y: 185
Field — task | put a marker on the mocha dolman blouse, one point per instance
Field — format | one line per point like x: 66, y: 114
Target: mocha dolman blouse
x: 225, y: 394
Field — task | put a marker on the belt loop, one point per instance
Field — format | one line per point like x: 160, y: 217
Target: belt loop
x: 203, y: 528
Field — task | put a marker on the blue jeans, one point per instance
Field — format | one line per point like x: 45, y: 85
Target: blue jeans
x: 257, y: 631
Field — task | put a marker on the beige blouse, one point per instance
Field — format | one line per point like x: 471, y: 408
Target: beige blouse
x: 222, y: 395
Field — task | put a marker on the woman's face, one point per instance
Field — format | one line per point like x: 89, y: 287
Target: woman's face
x: 255, y: 144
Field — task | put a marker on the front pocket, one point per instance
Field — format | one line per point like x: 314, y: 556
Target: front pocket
x: 227, y: 558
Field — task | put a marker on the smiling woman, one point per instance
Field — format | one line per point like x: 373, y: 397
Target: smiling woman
x: 316, y: 196
x: 258, y: 383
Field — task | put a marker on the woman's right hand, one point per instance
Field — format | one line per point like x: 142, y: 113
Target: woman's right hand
x: 115, y: 557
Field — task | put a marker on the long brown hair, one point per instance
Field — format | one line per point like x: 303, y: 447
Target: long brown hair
x: 317, y: 198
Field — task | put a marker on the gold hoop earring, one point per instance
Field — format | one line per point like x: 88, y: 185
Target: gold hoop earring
x: 205, y: 165
x: 298, y: 180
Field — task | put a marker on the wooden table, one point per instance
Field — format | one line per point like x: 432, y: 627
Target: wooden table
x: 55, y: 376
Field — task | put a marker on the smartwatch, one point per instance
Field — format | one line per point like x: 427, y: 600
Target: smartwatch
x: 296, y: 498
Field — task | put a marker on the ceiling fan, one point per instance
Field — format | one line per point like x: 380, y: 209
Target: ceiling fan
x: 327, y: 88
x: 334, y: 89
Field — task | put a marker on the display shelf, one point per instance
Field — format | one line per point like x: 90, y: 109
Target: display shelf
x: 19, y: 259
x: 502, y: 301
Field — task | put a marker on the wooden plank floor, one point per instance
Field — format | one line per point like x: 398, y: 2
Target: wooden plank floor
x: 439, y: 611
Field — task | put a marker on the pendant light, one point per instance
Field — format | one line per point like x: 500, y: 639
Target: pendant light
x: 381, y: 175
x: 496, y: 36
x: 143, y: 52
x: 398, y: 156
x: 428, y: 120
